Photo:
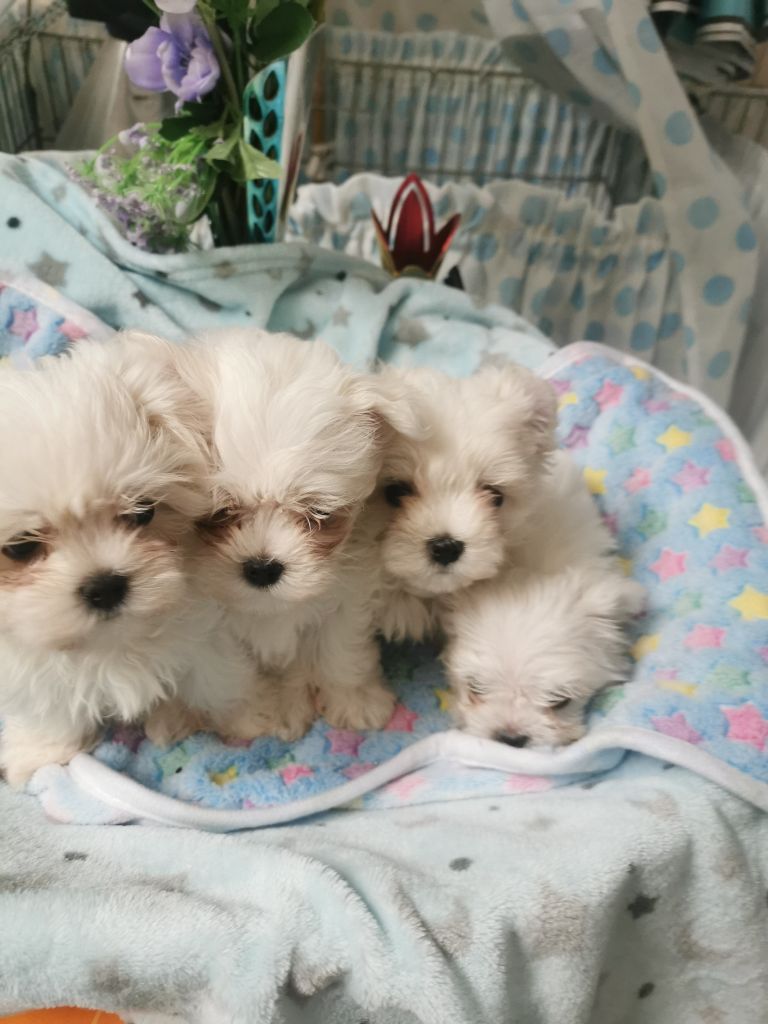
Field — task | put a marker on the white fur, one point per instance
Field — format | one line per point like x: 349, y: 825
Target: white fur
x: 88, y: 438
x: 492, y: 430
x: 296, y: 444
x: 526, y: 640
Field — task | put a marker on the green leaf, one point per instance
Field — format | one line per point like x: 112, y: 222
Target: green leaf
x: 174, y: 128
x: 263, y: 8
x: 281, y: 32
x: 235, y: 11
x: 252, y: 164
x: 224, y: 150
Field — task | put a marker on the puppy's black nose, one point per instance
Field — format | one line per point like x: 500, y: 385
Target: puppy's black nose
x: 262, y: 572
x: 512, y: 740
x: 105, y: 591
x: 445, y: 550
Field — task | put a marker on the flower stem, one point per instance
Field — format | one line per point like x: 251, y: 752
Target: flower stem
x: 218, y: 45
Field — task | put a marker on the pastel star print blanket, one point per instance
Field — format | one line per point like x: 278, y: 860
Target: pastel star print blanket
x: 676, y: 485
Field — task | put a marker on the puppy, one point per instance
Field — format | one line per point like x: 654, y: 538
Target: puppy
x: 454, y: 503
x: 296, y: 443
x: 99, y: 471
x: 528, y: 650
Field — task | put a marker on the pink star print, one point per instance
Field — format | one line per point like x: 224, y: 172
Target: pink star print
x: 527, y: 783
x: 691, y: 476
x: 763, y: 652
x: 639, y: 479
x: 354, y: 771
x: 761, y: 533
x: 24, y: 323
x: 405, y: 787
x: 669, y: 564
x: 656, y: 405
x: 676, y: 726
x: 72, y: 331
x: 402, y: 720
x: 730, y: 558
x: 577, y: 437
x: 344, y: 741
x: 746, y: 725
x: 705, y: 636
x: 725, y: 447
x: 609, y: 394
x: 292, y: 772
x: 611, y: 523
x: 560, y: 386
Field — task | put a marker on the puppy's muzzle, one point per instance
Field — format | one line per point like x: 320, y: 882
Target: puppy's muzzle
x: 262, y: 572
x: 512, y: 739
x: 445, y: 550
x: 105, y: 591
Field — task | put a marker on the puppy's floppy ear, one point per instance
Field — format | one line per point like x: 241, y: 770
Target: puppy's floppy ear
x: 390, y: 401
x: 611, y: 596
x: 150, y: 367
x: 531, y: 402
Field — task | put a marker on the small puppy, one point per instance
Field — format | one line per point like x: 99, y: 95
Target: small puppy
x: 98, y: 490
x: 296, y: 443
x: 528, y: 650
x: 453, y: 504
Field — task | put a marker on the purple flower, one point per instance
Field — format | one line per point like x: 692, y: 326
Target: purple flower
x: 176, y: 6
x: 178, y: 57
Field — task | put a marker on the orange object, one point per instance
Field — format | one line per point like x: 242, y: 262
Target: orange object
x: 63, y: 1015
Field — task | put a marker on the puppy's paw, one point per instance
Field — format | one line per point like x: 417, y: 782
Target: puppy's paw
x: 172, y: 721
x: 21, y: 761
x: 369, y: 706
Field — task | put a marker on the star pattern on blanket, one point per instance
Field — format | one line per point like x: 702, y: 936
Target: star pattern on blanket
x: 293, y: 772
x: 622, y: 439
x: 640, y: 478
x: 726, y: 449
x: 578, y: 437
x: 609, y: 394
x: 728, y: 677
x: 746, y: 725
x: 642, y: 905
x: 673, y: 438
x: 691, y: 477
x: 677, y: 727
x: 645, y: 645
x: 24, y: 323
x: 50, y: 270
x: 669, y: 564
x: 751, y: 604
x: 705, y: 636
x: 445, y: 699
x: 729, y: 557
x: 595, y: 480
x: 402, y: 720
x: 344, y: 741
x: 710, y: 518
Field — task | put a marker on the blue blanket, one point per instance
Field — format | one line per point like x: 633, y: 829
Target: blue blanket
x: 677, y: 488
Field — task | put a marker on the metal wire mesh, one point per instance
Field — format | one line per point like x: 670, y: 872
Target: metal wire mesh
x: 43, y: 63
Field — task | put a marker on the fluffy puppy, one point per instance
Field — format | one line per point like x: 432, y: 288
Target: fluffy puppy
x: 296, y: 442
x: 454, y: 502
x: 528, y: 650
x: 98, y: 491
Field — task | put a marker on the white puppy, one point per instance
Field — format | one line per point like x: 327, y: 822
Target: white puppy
x: 528, y: 650
x: 296, y: 444
x: 98, y: 491
x: 455, y: 503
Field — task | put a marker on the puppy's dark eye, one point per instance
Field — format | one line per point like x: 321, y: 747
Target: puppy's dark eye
x: 562, y: 702
x: 22, y: 550
x: 476, y: 687
x: 218, y: 520
x: 142, y: 515
x: 497, y: 496
x: 396, y: 491
x: 319, y: 514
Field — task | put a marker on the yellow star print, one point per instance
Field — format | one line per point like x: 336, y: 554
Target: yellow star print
x: 645, y: 645
x: 569, y: 398
x: 751, y: 604
x: 595, y: 480
x: 710, y: 518
x: 678, y: 686
x: 625, y: 564
x: 222, y: 778
x: 640, y: 372
x: 446, y: 699
x: 673, y: 438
